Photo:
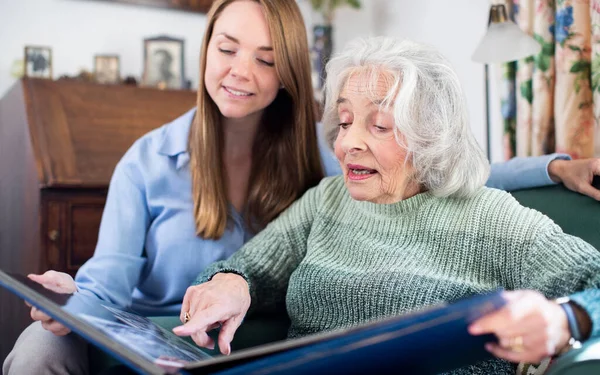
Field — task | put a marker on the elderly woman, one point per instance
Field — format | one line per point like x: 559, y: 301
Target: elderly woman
x: 408, y: 224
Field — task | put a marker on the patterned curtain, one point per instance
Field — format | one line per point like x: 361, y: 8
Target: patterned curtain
x: 595, y: 22
x: 553, y: 90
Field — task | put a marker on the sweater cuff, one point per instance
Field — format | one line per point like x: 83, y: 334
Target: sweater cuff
x: 205, y: 277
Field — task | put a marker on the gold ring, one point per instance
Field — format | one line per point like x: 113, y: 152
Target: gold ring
x: 516, y: 344
x: 186, y: 317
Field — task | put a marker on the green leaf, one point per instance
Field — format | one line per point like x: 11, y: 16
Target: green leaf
x: 542, y: 62
x: 528, y: 59
x: 354, y: 3
x: 538, y: 38
x: 579, y: 66
x: 527, y: 90
x: 548, y: 49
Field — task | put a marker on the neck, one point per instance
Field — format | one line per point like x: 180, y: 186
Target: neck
x: 410, y: 189
x: 239, y: 135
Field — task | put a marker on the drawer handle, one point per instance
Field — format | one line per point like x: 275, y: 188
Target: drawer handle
x: 53, y: 235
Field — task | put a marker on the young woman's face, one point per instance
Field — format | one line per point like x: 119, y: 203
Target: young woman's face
x: 240, y: 74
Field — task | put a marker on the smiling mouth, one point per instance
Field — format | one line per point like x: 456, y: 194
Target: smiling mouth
x: 236, y: 92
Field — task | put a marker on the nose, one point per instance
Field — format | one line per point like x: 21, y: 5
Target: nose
x: 241, y: 66
x: 352, y: 139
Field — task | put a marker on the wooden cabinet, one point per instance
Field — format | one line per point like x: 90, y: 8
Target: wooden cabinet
x: 59, y: 143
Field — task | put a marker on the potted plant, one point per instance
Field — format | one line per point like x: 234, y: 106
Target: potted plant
x: 322, y: 33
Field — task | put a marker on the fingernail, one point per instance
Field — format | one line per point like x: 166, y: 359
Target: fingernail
x: 228, y: 349
x: 474, y: 329
x: 211, y: 346
x: 178, y: 330
x: 488, y: 347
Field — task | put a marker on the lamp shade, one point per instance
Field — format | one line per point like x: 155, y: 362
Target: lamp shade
x: 505, y: 42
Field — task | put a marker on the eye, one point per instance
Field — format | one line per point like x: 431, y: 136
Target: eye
x: 226, y: 51
x: 344, y: 125
x: 380, y: 129
x: 267, y: 63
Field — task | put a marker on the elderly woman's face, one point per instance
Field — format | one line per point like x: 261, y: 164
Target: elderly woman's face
x: 374, y: 165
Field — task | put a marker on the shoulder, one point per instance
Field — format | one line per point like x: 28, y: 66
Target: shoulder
x: 495, y: 209
x: 152, y: 152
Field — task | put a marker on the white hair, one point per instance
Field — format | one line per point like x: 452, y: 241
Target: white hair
x: 428, y: 105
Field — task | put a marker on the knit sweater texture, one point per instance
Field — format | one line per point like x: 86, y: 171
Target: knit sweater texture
x: 335, y: 262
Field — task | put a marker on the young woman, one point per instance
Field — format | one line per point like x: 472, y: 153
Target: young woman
x: 194, y: 191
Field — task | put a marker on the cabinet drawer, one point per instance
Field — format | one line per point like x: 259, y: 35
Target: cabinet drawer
x: 70, y: 224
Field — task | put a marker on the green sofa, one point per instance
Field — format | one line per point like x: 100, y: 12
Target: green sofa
x: 576, y: 214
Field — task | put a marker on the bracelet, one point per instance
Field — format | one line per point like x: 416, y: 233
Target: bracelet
x: 575, y: 340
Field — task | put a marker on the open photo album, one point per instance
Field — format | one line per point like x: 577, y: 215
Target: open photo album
x: 427, y: 341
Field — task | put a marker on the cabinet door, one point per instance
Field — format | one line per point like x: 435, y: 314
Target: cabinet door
x: 70, y: 223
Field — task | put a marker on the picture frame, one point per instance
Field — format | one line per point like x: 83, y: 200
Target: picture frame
x: 37, y: 62
x: 163, y: 63
x: 107, y: 69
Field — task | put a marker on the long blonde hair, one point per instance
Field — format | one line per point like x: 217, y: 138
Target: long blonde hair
x: 285, y: 160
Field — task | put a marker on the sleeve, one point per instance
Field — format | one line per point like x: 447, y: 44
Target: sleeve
x: 523, y: 173
x: 269, y: 259
x: 114, y: 270
x: 558, y: 264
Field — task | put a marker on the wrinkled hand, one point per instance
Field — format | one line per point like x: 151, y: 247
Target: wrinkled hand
x: 529, y: 327
x: 222, y: 301
x: 58, y: 282
x: 576, y: 175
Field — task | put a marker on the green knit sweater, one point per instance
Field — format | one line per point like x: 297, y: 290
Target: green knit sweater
x: 336, y: 262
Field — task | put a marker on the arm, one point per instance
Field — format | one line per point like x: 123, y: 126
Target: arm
x: 258, y: 273
x: 114, y: 270
x: 523, y: 173
x: 532, y: 326
x: 572, y: 269
x: 268, y: 260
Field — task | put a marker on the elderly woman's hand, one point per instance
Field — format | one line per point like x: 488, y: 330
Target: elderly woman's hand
x: 529, y: 327
x: 222, y: 301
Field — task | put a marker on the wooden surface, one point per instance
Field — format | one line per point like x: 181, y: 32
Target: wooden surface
x: 59, y: 144
x: 198, y: 6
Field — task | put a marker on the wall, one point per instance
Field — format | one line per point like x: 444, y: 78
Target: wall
x: 78, y: 29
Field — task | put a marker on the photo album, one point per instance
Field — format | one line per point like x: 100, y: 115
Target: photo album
x: 427, y: 341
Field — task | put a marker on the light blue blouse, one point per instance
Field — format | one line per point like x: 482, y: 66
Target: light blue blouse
x: 148, y: 253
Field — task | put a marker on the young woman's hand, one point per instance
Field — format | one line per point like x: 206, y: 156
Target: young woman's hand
x: 576, y: 175
x: 58, y: 282
x: 529, y: 327
x: 222, y: 301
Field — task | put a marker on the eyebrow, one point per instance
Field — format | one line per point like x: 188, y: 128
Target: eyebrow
x: 342, y: 100
x: 235, y: 40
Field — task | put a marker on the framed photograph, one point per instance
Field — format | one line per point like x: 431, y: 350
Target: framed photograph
x: 107, y: 69
x: 163, y: 63
x: 38, y: 62
x: 198, y: 6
